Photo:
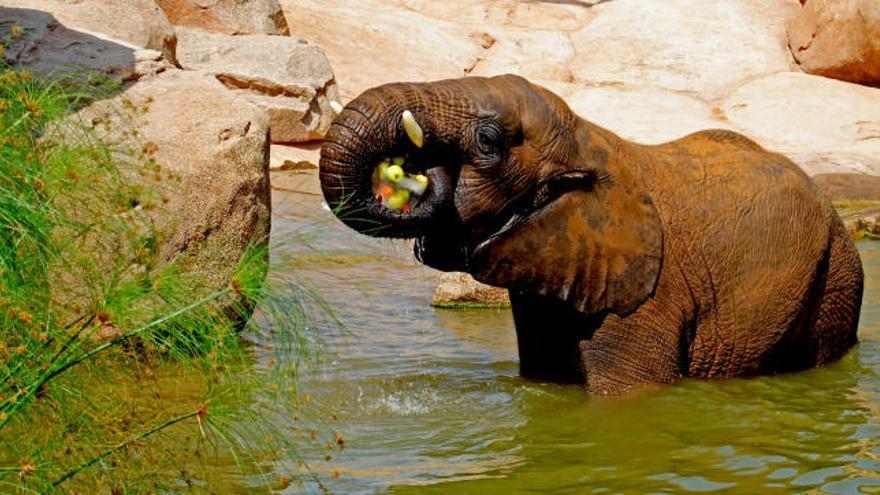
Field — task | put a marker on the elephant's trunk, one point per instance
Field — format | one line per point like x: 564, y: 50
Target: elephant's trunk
x: 363, y: 134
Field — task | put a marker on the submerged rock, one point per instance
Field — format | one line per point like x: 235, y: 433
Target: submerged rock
x: 460, y: 290
x: 228, y: 16
x: 838, y: 39
x: 290, y: 78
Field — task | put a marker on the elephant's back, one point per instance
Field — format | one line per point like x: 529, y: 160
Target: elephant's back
x: 750, y: 232
x: 718, y: 179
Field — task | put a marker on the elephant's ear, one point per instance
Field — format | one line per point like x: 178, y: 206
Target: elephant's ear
x: 600, y: 250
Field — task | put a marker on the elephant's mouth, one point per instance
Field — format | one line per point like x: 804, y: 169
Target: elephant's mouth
x: 466, y: 249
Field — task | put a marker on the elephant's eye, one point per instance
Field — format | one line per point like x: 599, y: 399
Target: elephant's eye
x: 489, y: 139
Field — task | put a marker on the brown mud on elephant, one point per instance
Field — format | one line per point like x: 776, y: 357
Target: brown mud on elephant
x: 626, y: 264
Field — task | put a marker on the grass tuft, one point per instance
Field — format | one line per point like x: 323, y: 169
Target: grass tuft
x: 120, y: 372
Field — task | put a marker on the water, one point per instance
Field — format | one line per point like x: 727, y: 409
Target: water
x: 430, y: 400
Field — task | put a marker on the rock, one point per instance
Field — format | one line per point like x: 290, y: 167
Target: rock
x: 460, y: 290
x: 849, y: 187
x: 48, y: 48
x: 838, y: 39
x: 682, y: 45
x: 301, y: 157
x: 533, y: 16
x: 525, y: 53
x: 138, y: 22
x: 228, y: 16
x: 397, y: 44
x: 822, y: 124
x: 217, y: 145
x: 289, y: 78
x: 645, y: 115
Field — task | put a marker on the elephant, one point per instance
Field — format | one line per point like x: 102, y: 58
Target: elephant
x: 627, y: 264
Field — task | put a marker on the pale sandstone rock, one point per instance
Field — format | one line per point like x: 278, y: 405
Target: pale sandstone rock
x: 456, y: 289
x: 699, y: 47
x: 823, y: 124
x: 287, y: 77
x: 525, y: 53
x: 533, y: 16
x: 138, y: 22
x: 648, y: 116
x: 370, y: 42
x: 839, y: 39
x: 49, y: 49
x: 417, y: 40
x: 228, y: 16
x: 217, y: 144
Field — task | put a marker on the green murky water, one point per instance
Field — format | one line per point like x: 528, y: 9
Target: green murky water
x: 430, y: 400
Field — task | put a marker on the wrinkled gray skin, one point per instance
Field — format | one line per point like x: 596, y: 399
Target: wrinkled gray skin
x: 627, y: 264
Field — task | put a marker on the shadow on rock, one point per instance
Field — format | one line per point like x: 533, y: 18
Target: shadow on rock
x: 36, y: 40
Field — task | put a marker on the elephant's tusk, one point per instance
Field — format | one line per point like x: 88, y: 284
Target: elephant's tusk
x: 413, y: 129
x: 336, y: 107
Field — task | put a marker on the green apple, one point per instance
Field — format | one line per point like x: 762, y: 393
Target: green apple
x: 397, y: 200
x: 394, y: 173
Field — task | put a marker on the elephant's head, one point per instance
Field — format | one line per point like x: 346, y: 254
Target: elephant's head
x: 522, y: 193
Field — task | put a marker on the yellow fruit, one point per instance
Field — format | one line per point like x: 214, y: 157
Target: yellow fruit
x: 421, y: 179
x: 398, y: 160
x: 397, y: 200
x: 381, y: 169
x: 394, y: 173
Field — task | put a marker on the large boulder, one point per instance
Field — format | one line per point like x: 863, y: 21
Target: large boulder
x: 838, y: 39
x: 372, y: 42
x: 211, y: 153
x: 228, y: 16
x: 290, y: 78
x: 646, y: 115
x: 682, y: 45
x: 138, y: 22
x: 822, y: 124
x: 48, y: 48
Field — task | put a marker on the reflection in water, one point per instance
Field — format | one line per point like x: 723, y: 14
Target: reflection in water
x: 430, y: 400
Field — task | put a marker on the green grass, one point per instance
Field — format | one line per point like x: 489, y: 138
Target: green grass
x: 862, y: 218
x: 846, y: 208
x: 119, y: 371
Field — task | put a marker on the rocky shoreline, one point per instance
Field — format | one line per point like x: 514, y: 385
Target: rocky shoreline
x: 201, y: 101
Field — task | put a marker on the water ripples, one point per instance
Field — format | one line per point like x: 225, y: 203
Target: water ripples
x: 430, y: 401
